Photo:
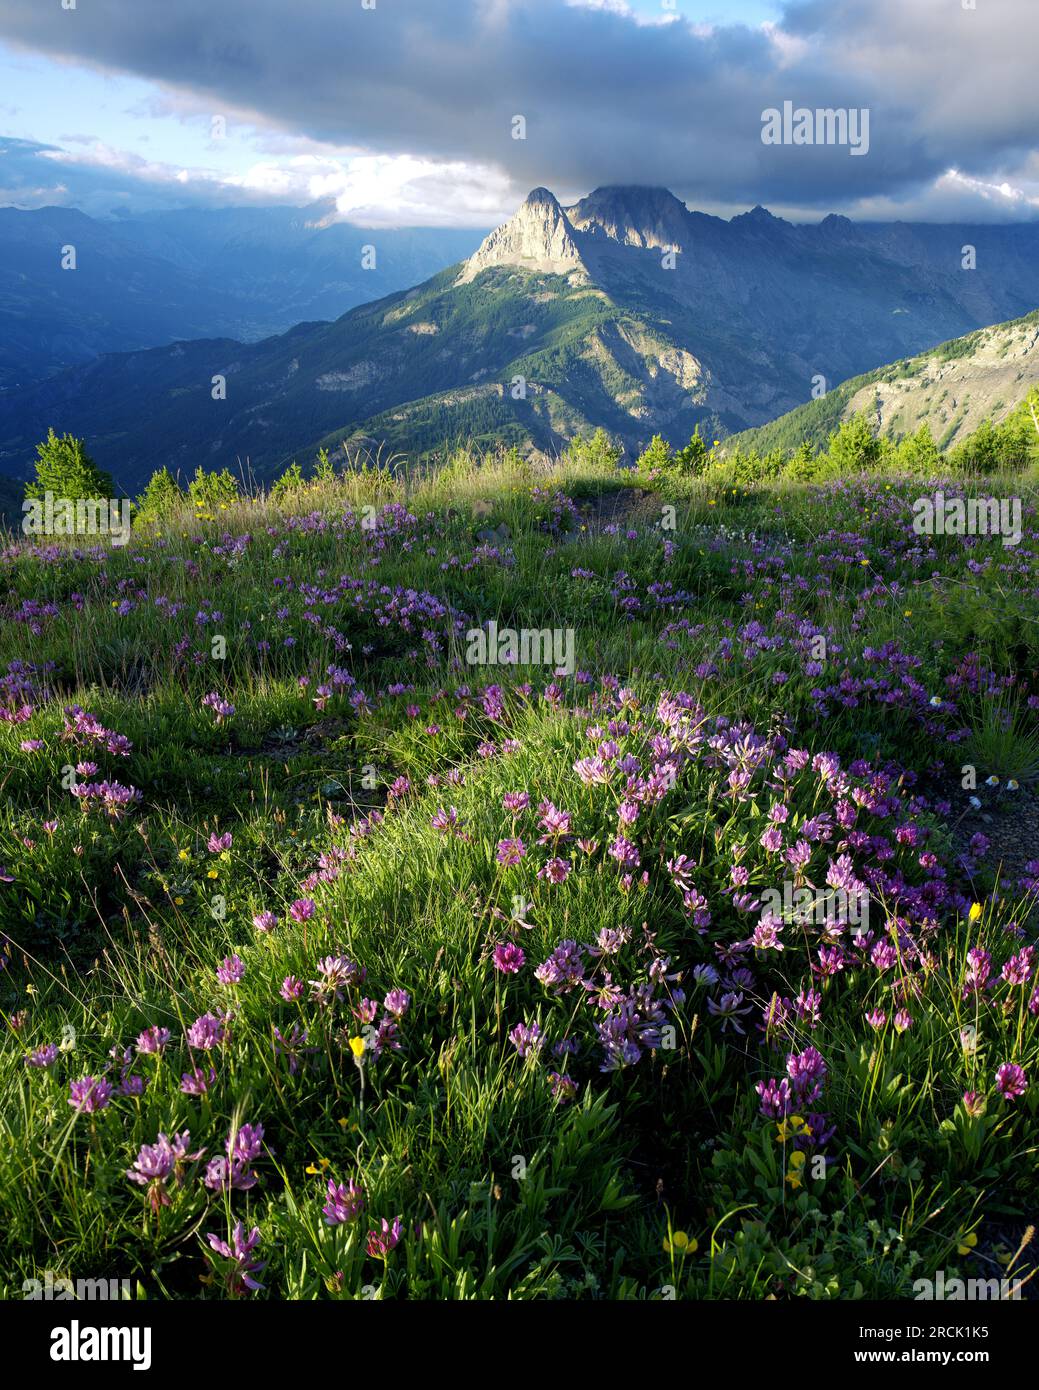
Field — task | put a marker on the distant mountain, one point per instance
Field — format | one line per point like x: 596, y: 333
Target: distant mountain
x: 951, y: 388
x: 144, y: 281
x: 625, y: 310
x: 293, y: 264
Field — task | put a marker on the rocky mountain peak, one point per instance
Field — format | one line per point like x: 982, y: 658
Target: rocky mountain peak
x: 633, y: 215
x: 759, y: 219
x: 539, y: 237
x: 834, y: 222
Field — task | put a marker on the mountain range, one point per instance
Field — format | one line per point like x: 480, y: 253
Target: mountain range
x: 625, y: 310
x: 145, y: 280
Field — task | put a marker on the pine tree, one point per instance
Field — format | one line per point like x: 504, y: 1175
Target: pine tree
x: 158, y: 499
x: 918, y: 453
x: 854, y: 447
x: 65, y: 469
x: 324, y: 469
x: 289, y: 482
x: 802, y: 464
x: 213, y: 491
x: 980, y: 452
x: 656, y: 455
x: 597, y: 450
x: 693, y: 458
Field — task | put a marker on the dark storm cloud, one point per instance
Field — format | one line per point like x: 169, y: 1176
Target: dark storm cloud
x: 605, y: 100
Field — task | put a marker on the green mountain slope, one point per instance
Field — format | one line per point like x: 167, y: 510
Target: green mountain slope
x: 952, y: 389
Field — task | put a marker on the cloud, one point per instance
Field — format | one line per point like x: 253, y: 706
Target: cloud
x: 92, y: 177
x: 957, y: 197
x: 606, y: 97
x: 367, y: 190
x: 384, y: 190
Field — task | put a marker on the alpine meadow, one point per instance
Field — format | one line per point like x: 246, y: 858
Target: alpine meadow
x: 519, y: 669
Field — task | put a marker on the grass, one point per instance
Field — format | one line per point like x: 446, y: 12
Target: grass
x: 597, y: 1129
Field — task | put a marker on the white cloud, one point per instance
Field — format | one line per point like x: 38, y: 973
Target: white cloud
x: 370, y: 190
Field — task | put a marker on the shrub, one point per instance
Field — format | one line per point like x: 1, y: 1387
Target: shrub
x: 979, y: 452
x: 694, y: 457
x: 324, y: 471
x: 212, y: 491
x: 291, y: 481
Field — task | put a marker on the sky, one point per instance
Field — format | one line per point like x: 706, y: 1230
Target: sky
x: 403, y: 112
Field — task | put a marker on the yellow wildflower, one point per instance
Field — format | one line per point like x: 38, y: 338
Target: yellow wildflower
x: 790, y: 1128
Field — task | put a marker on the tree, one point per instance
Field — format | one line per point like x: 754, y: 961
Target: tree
x: 324, y: 469
x: 802, y: 465
x: 1019, y: 434
x: 65, y: 469
x: 657, y: 455
x: 980, y: 452
x: 290, y: 481
x: 158, y: 499
x: 918, y: 453
x: 854, y: 447
x: 597, y: 451
x: 693, y: 458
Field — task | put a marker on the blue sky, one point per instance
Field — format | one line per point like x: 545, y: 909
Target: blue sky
x: 59, y: 102
x: 401, y: 115
x: 708, y: 12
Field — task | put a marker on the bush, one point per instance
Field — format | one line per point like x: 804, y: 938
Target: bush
x: 213, y: 491
x: 291, y: 481
x: 980, y: 452
x: 694, y: 457
x: 1010, y: 445
x: 324, y: 472
x: 659, y: 457
x: 740, y: 469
